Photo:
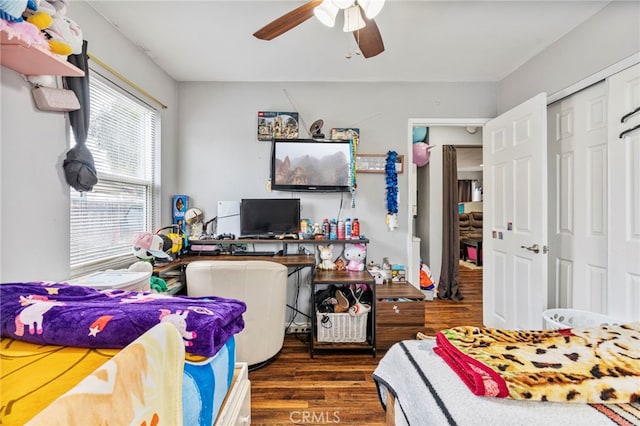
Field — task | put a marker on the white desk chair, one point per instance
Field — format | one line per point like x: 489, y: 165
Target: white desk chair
x: 262, y: 285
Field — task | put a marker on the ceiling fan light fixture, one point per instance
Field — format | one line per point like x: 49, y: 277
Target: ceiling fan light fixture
x: 353, y: 19
x: 371, y: 7
x: 326, y: 12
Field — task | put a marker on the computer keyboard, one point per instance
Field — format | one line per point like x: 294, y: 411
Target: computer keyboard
x: 253, y: 253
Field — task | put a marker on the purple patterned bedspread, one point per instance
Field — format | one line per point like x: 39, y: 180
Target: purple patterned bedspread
x: 73, y: 315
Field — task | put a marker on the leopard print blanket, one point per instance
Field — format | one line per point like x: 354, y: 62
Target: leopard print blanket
x: 585, y: 365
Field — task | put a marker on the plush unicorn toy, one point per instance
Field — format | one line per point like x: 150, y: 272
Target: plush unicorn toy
x: 326, y: 257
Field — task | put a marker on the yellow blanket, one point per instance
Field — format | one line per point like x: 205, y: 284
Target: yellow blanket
x: 592, y: 365
x: 140, y: 385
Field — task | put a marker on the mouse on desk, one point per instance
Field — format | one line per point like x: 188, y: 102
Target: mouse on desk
x: 280, y: 253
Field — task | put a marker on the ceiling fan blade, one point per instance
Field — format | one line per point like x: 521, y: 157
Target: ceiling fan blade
x: 287, y: 21
x: 369, y: 39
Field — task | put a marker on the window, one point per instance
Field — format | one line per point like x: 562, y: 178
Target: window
x: 123, y: 136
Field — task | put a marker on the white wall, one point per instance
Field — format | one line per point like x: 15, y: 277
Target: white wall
x: 610, y: 36
x: 34, y: 197
x: 221, y: 158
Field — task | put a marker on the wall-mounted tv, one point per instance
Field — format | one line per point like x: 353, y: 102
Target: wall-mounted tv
x: 263, y: 217
x: 310, y: 165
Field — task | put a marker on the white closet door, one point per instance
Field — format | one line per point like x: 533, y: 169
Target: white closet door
x: 577, y: 143
x: 624, y: 195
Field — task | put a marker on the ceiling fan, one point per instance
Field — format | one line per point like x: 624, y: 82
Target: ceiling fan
x: 358, y: 19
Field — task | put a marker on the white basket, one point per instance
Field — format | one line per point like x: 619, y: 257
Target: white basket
x: 341, y: 327
x: 569, y: 318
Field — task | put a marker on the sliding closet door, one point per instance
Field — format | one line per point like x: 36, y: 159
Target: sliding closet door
x: 624, y: 196
x: 578, y: 241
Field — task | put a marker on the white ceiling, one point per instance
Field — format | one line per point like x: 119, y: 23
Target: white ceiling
x: 425, y: 40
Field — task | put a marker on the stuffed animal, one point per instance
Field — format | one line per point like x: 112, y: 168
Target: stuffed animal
x: 326, y: 257
x: 65, y: 36
x: 356, y: 255
x: 11, y: 10
x: 39, y: 13
x: 14, y: 25
x: 340, y: 264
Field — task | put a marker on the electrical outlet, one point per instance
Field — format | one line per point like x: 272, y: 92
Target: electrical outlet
x: 299, y: 328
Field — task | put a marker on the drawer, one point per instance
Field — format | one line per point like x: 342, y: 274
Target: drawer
x: 386, y: 336
x: 236, y: 409
x: 397, y: 313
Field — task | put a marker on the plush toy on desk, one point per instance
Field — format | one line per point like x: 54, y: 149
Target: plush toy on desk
x: 326, y: 257
x: 356, y: 255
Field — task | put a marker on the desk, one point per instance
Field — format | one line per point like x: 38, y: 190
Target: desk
x: 300, y: 260
x: 297, y: 262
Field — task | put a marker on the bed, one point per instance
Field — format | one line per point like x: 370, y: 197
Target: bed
x: 155, y: 370
x: 449, y: 379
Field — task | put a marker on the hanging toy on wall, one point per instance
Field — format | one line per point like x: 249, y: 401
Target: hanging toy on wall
x: 352, y: 171
x: 392, y: 190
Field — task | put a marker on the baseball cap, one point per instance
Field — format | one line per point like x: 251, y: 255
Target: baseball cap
x: 152, y: 243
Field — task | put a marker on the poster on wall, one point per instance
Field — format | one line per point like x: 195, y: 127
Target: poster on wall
x: 179, y: 206
x: 277, y: 125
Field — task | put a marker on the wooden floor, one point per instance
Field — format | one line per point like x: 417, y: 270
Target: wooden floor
x: 338, y: 388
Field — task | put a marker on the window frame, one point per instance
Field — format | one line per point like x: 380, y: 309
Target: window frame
x: 122, y: 258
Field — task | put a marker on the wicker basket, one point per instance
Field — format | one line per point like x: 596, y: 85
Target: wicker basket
x: 341, y: 327
x: 568, y: 318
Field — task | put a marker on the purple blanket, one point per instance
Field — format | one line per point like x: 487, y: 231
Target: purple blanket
x: 72, y: 315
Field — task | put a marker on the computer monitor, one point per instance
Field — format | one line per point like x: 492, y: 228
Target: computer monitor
x: 263, y: 217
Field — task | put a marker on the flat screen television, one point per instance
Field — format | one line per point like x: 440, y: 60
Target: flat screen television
x: 265, y: 217
x: 310, y: 165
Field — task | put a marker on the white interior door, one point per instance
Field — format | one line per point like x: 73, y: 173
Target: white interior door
x: 515, y: 205
x: 578, y: 229
x: 624, y: 195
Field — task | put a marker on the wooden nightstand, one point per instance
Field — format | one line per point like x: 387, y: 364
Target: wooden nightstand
x: 399, y: 313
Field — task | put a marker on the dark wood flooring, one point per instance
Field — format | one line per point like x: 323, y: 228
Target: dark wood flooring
x: 337, y: 387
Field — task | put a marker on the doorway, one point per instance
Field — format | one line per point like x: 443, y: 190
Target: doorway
x: 425, y: 189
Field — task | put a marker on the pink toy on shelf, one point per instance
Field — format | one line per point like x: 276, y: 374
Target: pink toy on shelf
x: 356, y: 255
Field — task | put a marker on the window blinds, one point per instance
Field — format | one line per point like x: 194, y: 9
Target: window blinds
x: 123, y: 135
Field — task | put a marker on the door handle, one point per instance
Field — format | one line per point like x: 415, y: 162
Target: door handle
x: 534, y: 248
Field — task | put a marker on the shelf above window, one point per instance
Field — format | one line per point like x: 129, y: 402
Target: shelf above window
x: 31, y: 60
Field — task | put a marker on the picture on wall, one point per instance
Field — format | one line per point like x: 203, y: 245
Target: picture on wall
x: 277, y: 125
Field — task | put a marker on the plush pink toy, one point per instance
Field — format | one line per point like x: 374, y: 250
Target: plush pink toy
x: 356, y: 255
